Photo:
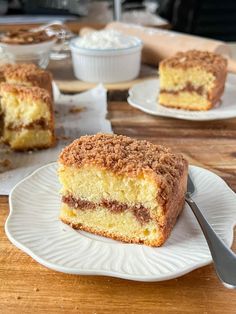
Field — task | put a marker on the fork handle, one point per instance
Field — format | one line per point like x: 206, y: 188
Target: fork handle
x: 224, y: 259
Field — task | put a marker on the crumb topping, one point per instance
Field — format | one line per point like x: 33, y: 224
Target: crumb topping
x: 24, y: 72
x: 124, y: 155
x: 25, y: 92
x: 210, y: 61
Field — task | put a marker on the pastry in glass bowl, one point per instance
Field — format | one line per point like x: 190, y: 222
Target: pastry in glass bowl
x: 27, y: 46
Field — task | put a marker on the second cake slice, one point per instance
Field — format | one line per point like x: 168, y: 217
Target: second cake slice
x: 192, y: 80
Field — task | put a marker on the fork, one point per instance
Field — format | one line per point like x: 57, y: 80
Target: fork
x: 223, y: 258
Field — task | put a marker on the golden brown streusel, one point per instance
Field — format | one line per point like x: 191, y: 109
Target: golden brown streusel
x: 22, y: 92
x: 124, y: 155
x: 25, y: 72
x: 211, y: 62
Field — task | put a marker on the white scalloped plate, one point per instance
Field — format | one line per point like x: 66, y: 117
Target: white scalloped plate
x: 34, y: 227
x: 143, y: 96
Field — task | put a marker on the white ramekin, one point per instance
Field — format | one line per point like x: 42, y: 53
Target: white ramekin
x: 106, y: 65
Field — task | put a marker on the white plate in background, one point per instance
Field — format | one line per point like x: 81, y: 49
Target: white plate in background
x: 34, y: 227
x: 144, y: 96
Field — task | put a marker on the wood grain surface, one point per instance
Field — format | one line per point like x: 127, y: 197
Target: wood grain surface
x: 28, y: 287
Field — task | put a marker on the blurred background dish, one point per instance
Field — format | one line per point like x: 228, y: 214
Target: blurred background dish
x: 37, y: 44
x: 63, y: 35
x: 106, y: 56
x: 37, y: 53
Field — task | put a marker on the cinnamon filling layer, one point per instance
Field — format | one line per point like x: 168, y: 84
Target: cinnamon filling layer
x: 188, y: 88
x: 41, y: 123
x: 140, y: 212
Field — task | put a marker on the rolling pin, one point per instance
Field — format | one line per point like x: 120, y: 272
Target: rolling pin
x: 159, y: 44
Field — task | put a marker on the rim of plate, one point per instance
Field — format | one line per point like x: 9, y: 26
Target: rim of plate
x: 109, y: 273
x: 174, y: 113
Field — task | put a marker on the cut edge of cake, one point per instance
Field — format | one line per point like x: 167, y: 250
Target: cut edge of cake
x: 28, y: 118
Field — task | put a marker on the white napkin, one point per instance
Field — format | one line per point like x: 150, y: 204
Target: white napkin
x: 75, y: 115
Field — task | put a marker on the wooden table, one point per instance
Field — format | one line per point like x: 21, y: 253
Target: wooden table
x: 28, y: 287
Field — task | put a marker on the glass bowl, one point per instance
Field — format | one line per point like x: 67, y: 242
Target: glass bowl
x: 38, y: 53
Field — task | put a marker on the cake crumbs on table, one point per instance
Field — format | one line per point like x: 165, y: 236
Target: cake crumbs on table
x: 5, y: 164
x: 76, y: 109
x: 63, y: 138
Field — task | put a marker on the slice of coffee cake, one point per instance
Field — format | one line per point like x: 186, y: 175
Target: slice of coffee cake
x: 192, y: 80
x: 27, y: 116
x: 122, y: 188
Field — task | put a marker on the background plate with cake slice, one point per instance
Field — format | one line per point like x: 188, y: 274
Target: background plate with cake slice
x: 193, y: 85
x: 143, y: 96
x: 34, y: 227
